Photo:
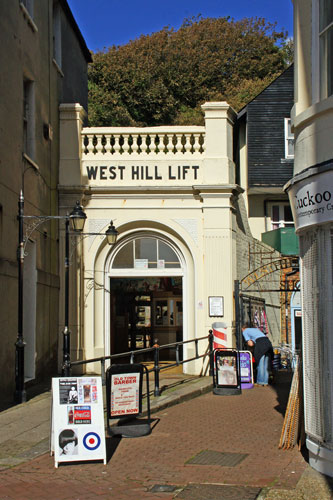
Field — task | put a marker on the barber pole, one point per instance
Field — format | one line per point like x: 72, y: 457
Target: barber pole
x: 220, y: 338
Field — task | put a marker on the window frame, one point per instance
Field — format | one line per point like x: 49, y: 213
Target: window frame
x: 281, y: 222
x: 27, y: 7
x: 142, y: 266
x: 287, y: 138
x: 319, y: 73
x: 28, y: 119
x: 56, y: 36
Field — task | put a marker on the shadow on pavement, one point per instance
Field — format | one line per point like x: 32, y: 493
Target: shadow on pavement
x: 281, y: 384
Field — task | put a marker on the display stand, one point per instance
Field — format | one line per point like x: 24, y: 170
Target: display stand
x: 77, y: 420
x: 246, y: 369
x: 124, y: 400
x: 226, y: 376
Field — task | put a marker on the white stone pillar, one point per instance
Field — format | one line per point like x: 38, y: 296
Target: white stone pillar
x: 219, y: 166
x: 71, y: 120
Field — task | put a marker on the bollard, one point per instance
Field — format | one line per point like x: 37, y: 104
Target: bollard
x: 177, y: 355
x: 103, y: 371
x: 211, y: 353
x: 156, y: 368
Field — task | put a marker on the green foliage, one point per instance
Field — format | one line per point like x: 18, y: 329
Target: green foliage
x: 163, y: 78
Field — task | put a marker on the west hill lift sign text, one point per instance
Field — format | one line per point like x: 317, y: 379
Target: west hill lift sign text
x: 135, y: 173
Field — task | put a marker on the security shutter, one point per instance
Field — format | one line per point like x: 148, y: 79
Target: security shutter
x: 316, y: 252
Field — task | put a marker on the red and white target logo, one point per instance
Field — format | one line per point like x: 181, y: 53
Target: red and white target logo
x: 91, y: 441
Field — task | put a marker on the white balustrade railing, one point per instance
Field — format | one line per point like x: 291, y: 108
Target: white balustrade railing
x: 161, y: 142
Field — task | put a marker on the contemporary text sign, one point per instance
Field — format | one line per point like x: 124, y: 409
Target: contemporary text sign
x: 311, y: 200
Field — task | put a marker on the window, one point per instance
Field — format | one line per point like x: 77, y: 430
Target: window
x: 28, y: 119
x: 281, y: 216
x: 57, y: 35
x: 288, y: 139
x: 29, y: 6
x: 146, y: 253
x: 326, y: 47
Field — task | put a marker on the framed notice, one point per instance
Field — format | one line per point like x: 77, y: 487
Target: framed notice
x: 77, y: 423
x: 141, y: 263
x: 216, y: 306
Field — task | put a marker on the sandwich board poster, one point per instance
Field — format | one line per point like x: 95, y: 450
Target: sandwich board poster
x: 246, y: 372
x: 77, y: 423
x: 125, y: 394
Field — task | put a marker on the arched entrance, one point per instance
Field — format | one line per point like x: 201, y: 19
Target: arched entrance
x: 145, y: 282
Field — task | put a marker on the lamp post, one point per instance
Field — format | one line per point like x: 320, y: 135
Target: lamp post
x: 77, y: 220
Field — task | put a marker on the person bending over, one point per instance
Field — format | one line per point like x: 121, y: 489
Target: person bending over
x: 262, y: 351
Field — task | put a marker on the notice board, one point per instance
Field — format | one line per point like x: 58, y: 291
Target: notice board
x: 77, y: 422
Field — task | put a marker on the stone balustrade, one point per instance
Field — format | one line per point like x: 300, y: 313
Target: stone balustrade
x: 148, y: 142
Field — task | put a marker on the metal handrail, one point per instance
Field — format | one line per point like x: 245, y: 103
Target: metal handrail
x: 157, y: 368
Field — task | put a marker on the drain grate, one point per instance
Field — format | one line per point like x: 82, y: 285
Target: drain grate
x: 224, y: 459
x: 217, y: 491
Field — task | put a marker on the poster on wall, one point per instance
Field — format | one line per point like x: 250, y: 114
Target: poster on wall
x: 77, y: 422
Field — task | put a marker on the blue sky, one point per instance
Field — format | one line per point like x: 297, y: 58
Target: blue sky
x: 109, y: 22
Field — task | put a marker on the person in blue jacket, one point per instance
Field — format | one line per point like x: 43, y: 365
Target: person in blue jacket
x: 262, y: 352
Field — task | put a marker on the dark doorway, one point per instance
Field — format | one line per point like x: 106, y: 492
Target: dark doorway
x: 145, y: 310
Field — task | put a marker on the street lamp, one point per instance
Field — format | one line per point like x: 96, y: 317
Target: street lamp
x: 77, y: 218
x: 111, y: 234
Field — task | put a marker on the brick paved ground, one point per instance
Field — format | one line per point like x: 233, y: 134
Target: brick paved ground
x: 249, y: 424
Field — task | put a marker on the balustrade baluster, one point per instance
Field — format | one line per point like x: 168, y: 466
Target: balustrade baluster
x: 126, y: 145
x: 179, y: 146
x: 90, y: 145
x: 144, y: 145
x: 196, y: 145
x: 107, y: 146
x: 135, y: 145
x: 169, y: 145
x: 99, y: 145
x: 83, y: 145
x: 116, y: 146
x: 188, y: 145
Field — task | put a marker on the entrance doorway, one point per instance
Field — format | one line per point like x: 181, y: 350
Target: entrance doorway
x: 145, y: 311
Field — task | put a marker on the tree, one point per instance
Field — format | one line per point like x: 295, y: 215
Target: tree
x: 163, y: 78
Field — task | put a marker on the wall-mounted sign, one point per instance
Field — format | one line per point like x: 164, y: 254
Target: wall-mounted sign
x: 115, y: 173
x: 311, y: 200
x: 77, y: 426
x: 216, y: 306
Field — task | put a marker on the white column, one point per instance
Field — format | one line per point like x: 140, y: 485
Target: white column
x: 219, y: 167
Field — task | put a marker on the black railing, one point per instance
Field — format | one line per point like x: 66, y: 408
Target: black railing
x: 155, y: 355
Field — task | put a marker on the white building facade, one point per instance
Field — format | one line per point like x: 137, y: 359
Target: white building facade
x: 311, y: 197
x: 183, y: 236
